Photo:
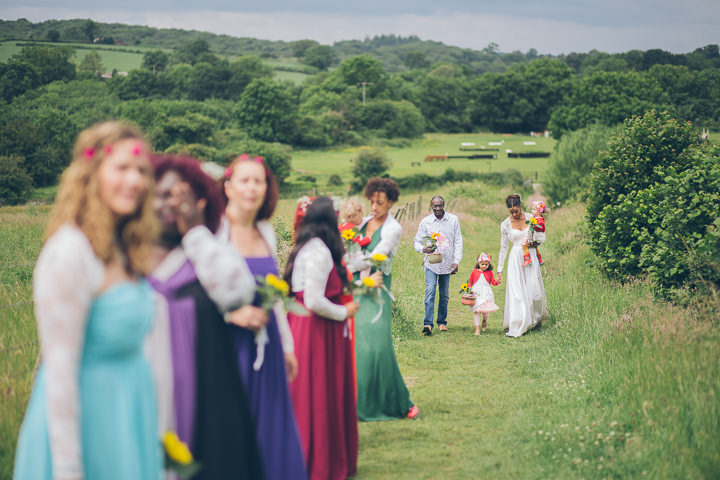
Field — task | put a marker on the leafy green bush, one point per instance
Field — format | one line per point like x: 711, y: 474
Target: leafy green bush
x: 619, y: 208
x: 679, y: 253
x: 335, y: 180
x: 15, y: 184
x: 662, y: 220
x: 570, y: 167
x: 370, y: 162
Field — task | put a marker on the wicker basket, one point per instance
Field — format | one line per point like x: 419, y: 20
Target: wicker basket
x: 467, y: 299
x: 435, y: 257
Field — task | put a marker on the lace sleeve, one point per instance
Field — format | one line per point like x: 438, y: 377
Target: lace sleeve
x: 67, y: 277
x: 317, y: 266
x: 503, y: 247
x: 220, y: 268
x: 158, y: 352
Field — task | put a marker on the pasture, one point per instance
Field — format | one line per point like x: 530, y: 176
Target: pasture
x: 408, y: 157
x: 126, y: 58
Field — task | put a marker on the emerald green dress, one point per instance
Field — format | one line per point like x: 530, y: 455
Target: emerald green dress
x: 382, y: 394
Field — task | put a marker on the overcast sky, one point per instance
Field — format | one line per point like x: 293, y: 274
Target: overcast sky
x: 554, y: 26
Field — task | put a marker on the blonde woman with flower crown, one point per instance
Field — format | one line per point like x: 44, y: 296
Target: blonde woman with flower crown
x: 93, y: 411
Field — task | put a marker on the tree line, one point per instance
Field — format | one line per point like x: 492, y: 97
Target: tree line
x: 193, y: 100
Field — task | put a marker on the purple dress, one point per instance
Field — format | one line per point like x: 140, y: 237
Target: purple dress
x: 212, y: 410
x: 267, y: 388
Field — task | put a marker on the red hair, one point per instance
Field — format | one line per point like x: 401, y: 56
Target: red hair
x: 272, y: 193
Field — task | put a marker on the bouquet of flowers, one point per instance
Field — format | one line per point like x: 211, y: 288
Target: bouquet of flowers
x: 368, y: 286
x: 178, y: 458
x: 354, y: 240
x: 272, y: 290
x: 437, y: 241
x: 531, y: 228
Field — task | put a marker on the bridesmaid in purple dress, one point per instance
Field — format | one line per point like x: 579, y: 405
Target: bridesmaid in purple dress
x: 200, y: 276
x: 265, y: 351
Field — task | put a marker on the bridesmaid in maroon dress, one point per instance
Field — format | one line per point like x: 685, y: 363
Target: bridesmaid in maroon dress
x: 323, y: 393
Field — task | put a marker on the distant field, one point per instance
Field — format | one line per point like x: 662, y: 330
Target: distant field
x: 123, y: 59
x: 295, y: 77
x: 322, y: 164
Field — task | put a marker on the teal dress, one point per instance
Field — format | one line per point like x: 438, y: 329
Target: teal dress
x: 118, y: 412
x: 382, y: 394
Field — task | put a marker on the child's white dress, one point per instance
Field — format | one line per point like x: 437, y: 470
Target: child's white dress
x: 484, y: 297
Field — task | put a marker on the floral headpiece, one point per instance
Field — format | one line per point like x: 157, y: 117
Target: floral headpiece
x: 484, y: 257
x: 540, y: 205
x: 303, y: 204
x: 89, y: 153
x: 243, y: 158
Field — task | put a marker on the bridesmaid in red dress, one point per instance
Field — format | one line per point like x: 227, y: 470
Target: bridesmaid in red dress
x: 323, y: 393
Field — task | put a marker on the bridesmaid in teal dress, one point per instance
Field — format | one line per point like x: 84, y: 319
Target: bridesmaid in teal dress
x: 93, y: 412
x: 382, y: 394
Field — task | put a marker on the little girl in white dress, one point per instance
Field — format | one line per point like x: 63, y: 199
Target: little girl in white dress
x: 479, y: 284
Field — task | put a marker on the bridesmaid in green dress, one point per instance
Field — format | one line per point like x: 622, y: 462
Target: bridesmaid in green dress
x: 382, y: 394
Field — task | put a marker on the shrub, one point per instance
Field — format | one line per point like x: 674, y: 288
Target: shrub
x: 677, y: 250
x: 570, y: 167
x: 335, y: 180
x: 370, y: 162
x: 15, y: 183
x: 619, y: 207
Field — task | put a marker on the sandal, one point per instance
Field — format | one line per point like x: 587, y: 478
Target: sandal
x: 427, y: 331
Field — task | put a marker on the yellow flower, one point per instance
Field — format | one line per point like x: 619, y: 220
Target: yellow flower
x: 533, y: 220
x: 464, y: 286
x: 277, y: 283
x: 176, y: 449
x: 435, y: 236
x: 379, y: 257
x: 348, y: 234
x: 368, y: 282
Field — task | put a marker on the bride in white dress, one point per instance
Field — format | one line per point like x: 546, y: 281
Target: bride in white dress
x: 525, y: 301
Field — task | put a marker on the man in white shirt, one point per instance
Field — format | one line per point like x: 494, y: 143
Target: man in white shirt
x: 438, y: 274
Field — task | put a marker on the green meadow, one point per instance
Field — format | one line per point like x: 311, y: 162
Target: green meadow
x: 408, y: 157
x: 124, y: 59
x: 614, y: 385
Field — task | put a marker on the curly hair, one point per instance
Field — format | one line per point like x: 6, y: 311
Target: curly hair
x: 351, y: 207
x: 203, y: 187
x: 382, y: 184
x: 78, y: 201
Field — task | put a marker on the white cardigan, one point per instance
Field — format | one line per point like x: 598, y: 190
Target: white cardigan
x: 267, y: 232
x: 388, y: 245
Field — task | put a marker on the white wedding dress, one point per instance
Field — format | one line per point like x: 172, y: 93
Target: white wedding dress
x: 525, y: 301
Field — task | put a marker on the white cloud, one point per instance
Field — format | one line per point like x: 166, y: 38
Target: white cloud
x: 463, y: 30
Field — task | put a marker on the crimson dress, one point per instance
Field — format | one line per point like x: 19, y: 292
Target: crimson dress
x: 323, y: 393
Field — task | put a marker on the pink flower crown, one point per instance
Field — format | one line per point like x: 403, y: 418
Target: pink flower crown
x: 89, y: 153
x: 540, y: 205
x: 484, y: 257
x: 243, y: 158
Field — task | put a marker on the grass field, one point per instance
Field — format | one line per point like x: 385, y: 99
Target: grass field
x: 322, y: 164
x: 124, y: 59
x: 614, y: 385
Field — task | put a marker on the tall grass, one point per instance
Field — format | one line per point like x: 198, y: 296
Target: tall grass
x: 614, y: 385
